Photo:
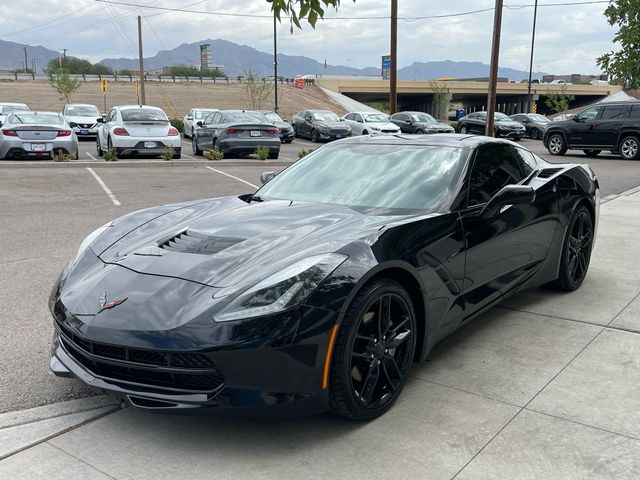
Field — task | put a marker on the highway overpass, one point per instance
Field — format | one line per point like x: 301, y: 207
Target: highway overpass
x: 472, y: 95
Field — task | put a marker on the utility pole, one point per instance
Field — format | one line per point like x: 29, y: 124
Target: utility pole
x: 275, y: 64
x: 393, y: 70
x: 493, y: 74
x: 142, y: 96
x: 533, y: 39
x: 64, y: 53
x: 26, y: 63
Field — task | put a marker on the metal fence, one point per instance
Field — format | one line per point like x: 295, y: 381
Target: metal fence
x: 148, y: 78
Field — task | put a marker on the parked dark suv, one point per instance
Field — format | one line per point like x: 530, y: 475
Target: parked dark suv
x: 611, y: 126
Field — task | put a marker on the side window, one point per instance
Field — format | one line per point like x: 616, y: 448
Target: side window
x: 111, y: 116
x: 349, y: 116
x: 403, y: 117
x: 494, y: 167
x: 527, y: 162
x: 635, y: 112
x: 613, y: 112
x: 589, y: 113
x: 357, y: 117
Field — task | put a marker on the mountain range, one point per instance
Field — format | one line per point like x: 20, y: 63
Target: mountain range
x: 237, y: 59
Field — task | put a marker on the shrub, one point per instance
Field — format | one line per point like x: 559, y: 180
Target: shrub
x: 262, y: 152
x: 304, y: 153
x: 110, y: 155
x: 178, y: 124
x: 212, y: 154
x: 60, y: 156
x: 167, y: 152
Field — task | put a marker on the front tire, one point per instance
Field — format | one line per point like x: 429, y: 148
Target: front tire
x: 194, y: 146
x: 556, y: 144
x: 464, y: 130
x: 314, y: 136
x: 576, y: 252
x: 535, y: 134
x: 630, y: 148
x: 592, y: 153
x: 373, y: 352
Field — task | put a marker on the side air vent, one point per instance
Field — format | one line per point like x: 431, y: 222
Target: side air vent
x: 192, y: 241
x: 548, y: 172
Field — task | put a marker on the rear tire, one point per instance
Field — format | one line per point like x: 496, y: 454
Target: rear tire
x: 98, y: 147
x: 464, y: 130
x: 576, y: 251
x: 419, y: 132
x: 556, y: 144
x: 630, y: 148
x: 364, y: 132
x: 592, y: 153
x: 274, y: 155
x: 110, y: 146
x: 368, y: 370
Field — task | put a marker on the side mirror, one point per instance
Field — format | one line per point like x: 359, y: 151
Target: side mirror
x: 199, y: 124
x: 266, y: 177
x: 100, y: 120
x: 508, y: 195
x: 408, y: 122
x: 285, y: 120
x: 189, y: 117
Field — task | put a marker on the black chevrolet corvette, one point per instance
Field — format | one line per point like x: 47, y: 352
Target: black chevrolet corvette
x: 319, y: 291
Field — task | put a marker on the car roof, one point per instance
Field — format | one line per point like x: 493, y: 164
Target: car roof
x: 12, y: 104
x: 41, y: 112
x: 129, y: 107
x: 619, y: 102
x: 79, y: 105
x: 439, y: 139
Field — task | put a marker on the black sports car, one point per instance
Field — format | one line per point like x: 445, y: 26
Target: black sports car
x: 503, y: 126
x: 318, y: 291
x: 320, y: 125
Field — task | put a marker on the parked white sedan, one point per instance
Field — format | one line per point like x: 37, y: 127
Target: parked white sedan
x: 137, y: 130
x: 194, y: 116
x: 370, y: 123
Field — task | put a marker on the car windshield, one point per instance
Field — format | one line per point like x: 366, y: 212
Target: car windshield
x: 143, y: 115
x: 81, y: 111
x: 29, y: 118
x: 501, y: 117
x: 539, y: 118
x: 231, y: 117
x: 376, y: 118
x: 423, y: 117
x: 376, y: 176
x: 273, y: 117
x: 200, y: 114
x: 325, y: 117
x: 7, y: 109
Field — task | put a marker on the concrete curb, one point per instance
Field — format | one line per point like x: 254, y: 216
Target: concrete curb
x: 24, y: 429
x: 626, y: 193
x: 145, y: 163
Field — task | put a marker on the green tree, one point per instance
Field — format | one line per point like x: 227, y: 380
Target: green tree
x: 559, y: 101
x: 191, y: 71
x: 297, y: 10
x: 77, y: 66
x: 623, y: 67
x: 440, y: 100
x: 63, y: 84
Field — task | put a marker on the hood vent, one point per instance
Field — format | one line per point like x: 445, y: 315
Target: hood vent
x: 548, y: 172
x: 192, y: 241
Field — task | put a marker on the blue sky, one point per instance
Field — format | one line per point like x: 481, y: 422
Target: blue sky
x: 568, y: 38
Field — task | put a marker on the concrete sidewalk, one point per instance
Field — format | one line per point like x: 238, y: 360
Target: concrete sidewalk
x: 545, y: 387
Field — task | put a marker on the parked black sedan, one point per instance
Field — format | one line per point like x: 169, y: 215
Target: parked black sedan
x: 286, y: 130
x: 476, y: 122
x: 320, y: 125
x: 318, y: 291
x: 236, y: 132
x: 534, y: 124
x: 419, y: 123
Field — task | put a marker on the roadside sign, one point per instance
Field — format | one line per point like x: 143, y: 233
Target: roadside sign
x: 535, y: 107
x: 386, y: 66
x: 104, y: 86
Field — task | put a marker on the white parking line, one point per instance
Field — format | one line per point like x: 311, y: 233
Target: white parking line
x: 104, y: 187
x: 92, y: 157
x: 234, y: 177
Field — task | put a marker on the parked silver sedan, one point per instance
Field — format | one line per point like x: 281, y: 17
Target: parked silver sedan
x: 236, y: 132
x: 35, y: 135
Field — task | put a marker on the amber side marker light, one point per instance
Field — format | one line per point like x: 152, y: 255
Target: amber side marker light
x: 327, y: 360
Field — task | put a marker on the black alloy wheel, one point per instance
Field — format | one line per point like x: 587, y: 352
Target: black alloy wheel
x: 576, y: 253
x: 592, y: 153
x: 535, y: 134
x: 557, y: 144
x: 314, y: 136
x: 194, y: 146
x: 374, y: 351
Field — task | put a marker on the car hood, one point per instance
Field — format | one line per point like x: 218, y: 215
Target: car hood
x: 429, y: 125
x: 509, y: 123
x: 383, y: 125
x: 232, y: 242
x: 331, y: 124
x: 82, y: 119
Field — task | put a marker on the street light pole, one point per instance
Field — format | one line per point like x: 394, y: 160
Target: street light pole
x: 275, y: 64
x: 533, y: 39
x: 143, y: 99
x: 393, y: 68
x: 493, y: 75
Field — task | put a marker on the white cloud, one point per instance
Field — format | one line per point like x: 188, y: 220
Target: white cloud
x: 568, y: 39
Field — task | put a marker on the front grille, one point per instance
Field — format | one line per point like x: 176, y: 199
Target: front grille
x: 174, y: 370
x: 336, y: 131
x: 192, y: 241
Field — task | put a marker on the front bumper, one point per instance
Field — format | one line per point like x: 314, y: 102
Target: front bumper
x: 283, y: 372
x: 510, y: 133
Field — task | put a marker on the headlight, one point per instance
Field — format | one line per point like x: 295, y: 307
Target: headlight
x: 85, y: 244
x: 282, y: 290
x: 324, y: 129
x: 377, y: 129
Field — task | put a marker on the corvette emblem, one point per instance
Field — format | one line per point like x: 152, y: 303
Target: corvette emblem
x: 104, y: 305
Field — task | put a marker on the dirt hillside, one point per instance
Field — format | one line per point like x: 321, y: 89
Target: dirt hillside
x: 175, y: 98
